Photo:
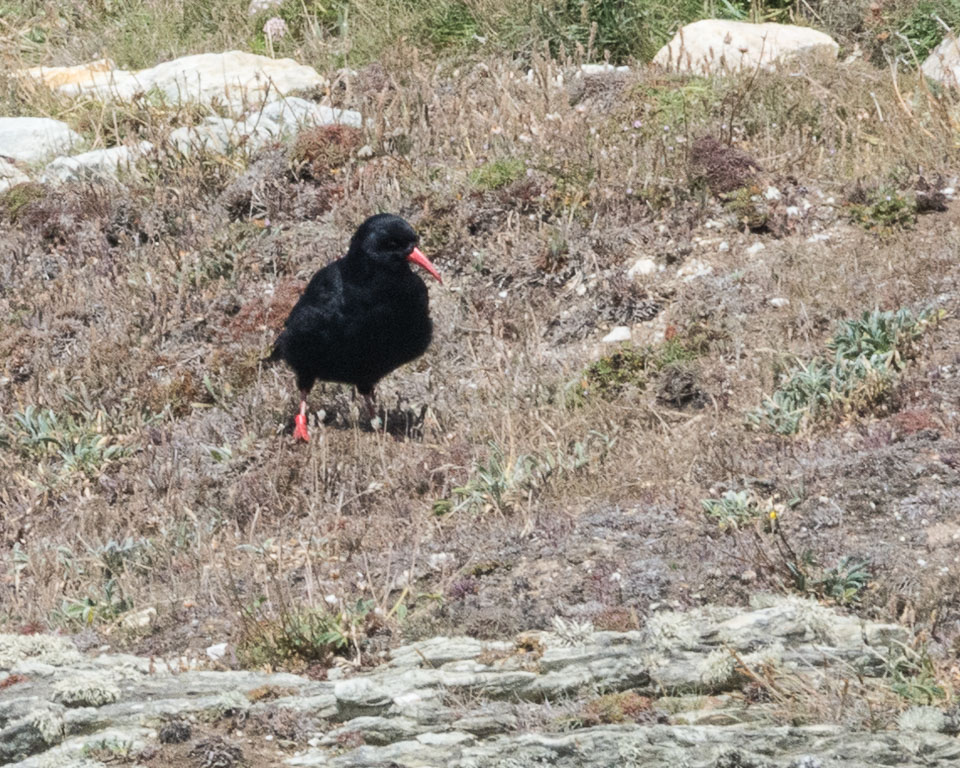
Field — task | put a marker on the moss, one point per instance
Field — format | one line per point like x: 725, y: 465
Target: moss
x: 15, y: 199
x: 613, y: 373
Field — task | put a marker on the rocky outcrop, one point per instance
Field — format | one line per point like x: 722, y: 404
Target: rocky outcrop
x: 715, y: 46
x: 232, y: 78
x: 254, y: 90
x: 464, y: 702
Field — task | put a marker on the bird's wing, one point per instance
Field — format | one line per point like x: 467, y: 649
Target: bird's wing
x: 320, y: 307
x: 315, y: 315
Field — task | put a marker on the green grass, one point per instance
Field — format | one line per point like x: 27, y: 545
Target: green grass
x: 141, y: 33
x: 919, y: 27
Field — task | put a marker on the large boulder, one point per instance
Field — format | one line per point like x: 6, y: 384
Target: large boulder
x: 30, y: 139
x: 715, y: 46
x: 943, y: 63
x: 233, y: 78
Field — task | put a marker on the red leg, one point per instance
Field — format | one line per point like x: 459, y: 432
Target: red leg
x: 300, y: 430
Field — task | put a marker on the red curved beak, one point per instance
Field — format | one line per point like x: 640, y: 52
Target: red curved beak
x: 417, y: 257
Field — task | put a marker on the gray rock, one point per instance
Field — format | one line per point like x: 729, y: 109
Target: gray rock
x: 215, y: 134
x: 275, y: 120
x: 943, y: 63
x: 375, y: 730
x: 466, y: 703
x: 10, y: 175
x: 31, y: 139
x: 96, y: 164
x: 292, y: 113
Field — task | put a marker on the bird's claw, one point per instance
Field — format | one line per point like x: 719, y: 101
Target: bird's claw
x: 300, y: 430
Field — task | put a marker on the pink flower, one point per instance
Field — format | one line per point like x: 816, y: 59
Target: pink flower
x: 275, y: 28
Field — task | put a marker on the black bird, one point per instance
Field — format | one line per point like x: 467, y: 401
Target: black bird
x: 361, y: 316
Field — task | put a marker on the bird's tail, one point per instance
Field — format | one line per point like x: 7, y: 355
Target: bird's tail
x: 276, y: 354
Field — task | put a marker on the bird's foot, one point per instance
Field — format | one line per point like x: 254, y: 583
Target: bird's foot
x: 300, y: 430
x: 369, y: 407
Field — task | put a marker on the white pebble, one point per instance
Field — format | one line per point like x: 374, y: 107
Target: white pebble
x: 217, y: 652
x: 642, y: 267
x: 619, y: 333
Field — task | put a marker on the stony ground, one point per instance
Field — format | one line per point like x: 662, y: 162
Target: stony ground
x: 462, y: 702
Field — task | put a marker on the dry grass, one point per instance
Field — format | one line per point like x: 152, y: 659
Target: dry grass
x: 136, y: 318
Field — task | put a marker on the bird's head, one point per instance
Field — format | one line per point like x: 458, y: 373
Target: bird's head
x: 389, y: 242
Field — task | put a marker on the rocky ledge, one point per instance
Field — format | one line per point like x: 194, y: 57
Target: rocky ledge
x: 674, y: 693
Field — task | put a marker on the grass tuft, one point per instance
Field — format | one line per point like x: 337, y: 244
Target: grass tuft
x: 498, y: 173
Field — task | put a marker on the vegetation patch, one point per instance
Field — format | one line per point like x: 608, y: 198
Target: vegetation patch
x: 297, y: 638
x: 750, y: 208
x: 611, y: 374
x: 912, y: 674
x: 15, y: 199
x: 632, y: 367
x: 615, y: 708
x: 503, y: 482
x: 74, y: 444
x: 720, y: 167
x: 917, y: 28
x: 883, y: 210
x: 734, y: 509
x: 498, y: 173
x: 865, y: 357
x: 321, y: 151
x: 844, y: 583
